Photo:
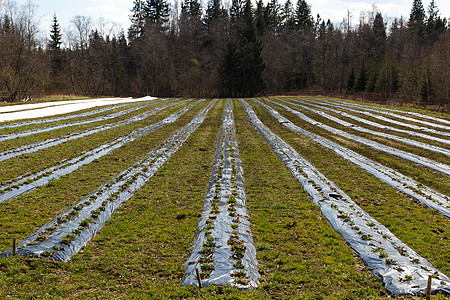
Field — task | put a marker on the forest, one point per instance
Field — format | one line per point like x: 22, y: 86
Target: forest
x: 234, y: 49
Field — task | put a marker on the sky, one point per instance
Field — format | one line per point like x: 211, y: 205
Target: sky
x: 118, y: 11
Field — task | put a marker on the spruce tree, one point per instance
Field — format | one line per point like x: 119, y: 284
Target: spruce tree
x: 361, y: 82
x: 253, y: 64
x: 55, y: 35
x: 137, y: 19
x: 192, y: 8
x: 351, y: 80
x: 55, y: 47
x: 259, y: 18
x: 303, y: 18
x: 417, y: 17
x: 156, y: 11
x: 214, y: 11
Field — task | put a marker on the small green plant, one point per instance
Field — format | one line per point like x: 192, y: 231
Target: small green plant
x: 390, y: 261
x: 68, y: 239
x: 407, y: 278
x: 399, y: 269
x: 415, y: 261
x: 207, y: 267
x: 58, y: 248
x: 47, y: 254
x: 383, y: 254
x: 86, y: 222
x: 238, y: 265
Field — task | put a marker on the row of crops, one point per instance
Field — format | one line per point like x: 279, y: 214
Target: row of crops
x: 407, y: 151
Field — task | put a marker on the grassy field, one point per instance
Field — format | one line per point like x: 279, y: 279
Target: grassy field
x: 140, y: 252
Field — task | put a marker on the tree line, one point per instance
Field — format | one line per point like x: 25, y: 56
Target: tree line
x: 231, y: 50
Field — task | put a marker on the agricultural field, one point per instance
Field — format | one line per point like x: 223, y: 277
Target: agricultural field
x: 272, y: 197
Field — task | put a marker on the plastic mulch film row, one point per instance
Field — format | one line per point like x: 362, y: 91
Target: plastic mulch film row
x: 399, y: 181
x: 27, y: 182
x: 73, y: 116
x: 388, y: 120
x: 76, y: 135
x: 416, y: 114
x: 374, y: 124
x: 391, y: 112
x: 377, y: 133
x: 82, y: 122
x: 223, y: 252
x: 437, y: 166
x: 402, y: 270
x: 64, y: 236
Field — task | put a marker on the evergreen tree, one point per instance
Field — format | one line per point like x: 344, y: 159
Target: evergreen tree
x: 213, y: 12
x: 351, y: 80
x: 272, y: 15
x: 56, y: 54
x: 137, y: 19
x: 288, y: 16
x: 259, y: 18
x: 379, y: 36
x: 417, y: 17
x: 303, y: 18
x: 243, y: 65
x: 361, y: 82
x: 192, y: 8
x: 55, y: 35
x: 236, y: 10
x: 434, y: 24
x: 156, y: 11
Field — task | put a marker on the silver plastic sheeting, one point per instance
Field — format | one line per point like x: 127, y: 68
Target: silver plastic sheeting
x: 373, y: 132
x: 402, y: 270
x: 31, y: 148
x: 374, y: 124
x: 63, y: 237
x: 437, y: 166
x: 371, y: 114
x: 399, y: 181
x: 97, y: 119
x: 223, y: 249
x: 392, y: 112
x: 28, y: 182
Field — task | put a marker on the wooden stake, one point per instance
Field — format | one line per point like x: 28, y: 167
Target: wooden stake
x: 198, y: 278
x: 428, y: 296
x: 14, y: 246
